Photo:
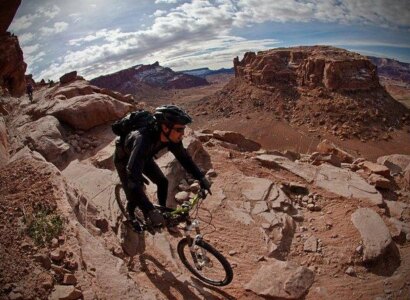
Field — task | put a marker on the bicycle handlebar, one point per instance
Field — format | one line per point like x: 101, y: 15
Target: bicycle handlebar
x: 188, y: 205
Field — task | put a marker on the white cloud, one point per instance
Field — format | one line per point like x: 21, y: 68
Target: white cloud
x: 381, y: 13
x: 50, y: 12
x: 159, y: 13
x: 27, y: 50
x: 25, y: 38
x: 200, y: 32
x: 57, y: 28
x: 166, y: 1
x: 23, y: 22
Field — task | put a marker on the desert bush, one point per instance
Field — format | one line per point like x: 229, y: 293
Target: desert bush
x: 43, y: 225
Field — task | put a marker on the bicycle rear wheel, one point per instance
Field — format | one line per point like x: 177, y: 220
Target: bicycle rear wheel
x: 205, y: 262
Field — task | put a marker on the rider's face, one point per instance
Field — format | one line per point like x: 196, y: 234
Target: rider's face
x: 176, y: 133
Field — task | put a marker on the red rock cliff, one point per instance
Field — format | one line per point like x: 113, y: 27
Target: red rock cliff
x: 318, y: 66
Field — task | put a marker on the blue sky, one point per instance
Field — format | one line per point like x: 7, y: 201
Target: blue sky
x: 96, y: 37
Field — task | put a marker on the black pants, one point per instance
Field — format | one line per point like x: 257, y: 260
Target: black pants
x: 134, y: 191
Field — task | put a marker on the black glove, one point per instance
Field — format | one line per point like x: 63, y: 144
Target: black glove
x: 205, y: 184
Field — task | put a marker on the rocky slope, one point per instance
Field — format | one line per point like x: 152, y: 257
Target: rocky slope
x: 322, y: 88
x: 12, y: 65
x: 269, y: 211
x: 139, y: 78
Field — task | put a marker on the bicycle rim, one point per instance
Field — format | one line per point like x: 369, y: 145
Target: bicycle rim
x: 205, y: 262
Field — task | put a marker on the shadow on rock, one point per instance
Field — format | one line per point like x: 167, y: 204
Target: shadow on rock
x: 165, y: 281
x: 388, y: 264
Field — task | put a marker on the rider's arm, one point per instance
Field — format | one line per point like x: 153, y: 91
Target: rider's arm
x: 186, y: 161
x: 139, y: 145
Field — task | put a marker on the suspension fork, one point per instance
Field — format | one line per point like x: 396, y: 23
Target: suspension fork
x: 193, y: 241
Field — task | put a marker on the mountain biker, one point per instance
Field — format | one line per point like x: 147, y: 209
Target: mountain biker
x: 29, y: 91
x: 134, y: 157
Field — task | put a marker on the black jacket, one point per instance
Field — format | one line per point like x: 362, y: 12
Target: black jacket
x: 143, y: 145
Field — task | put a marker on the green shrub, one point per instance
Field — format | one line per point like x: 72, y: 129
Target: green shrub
x: 43, y: 226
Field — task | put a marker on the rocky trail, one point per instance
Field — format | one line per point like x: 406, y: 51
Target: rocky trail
x: 310, y: 164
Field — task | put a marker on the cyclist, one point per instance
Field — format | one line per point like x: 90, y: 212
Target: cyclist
x: 29, y: 91
x: 134, y: 157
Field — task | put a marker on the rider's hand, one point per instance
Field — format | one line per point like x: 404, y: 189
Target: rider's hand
x: 205, y: 184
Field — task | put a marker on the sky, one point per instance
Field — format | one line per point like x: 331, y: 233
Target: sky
x: 97, y: 37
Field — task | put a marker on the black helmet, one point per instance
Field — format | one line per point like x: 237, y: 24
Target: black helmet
x: 171, y: 114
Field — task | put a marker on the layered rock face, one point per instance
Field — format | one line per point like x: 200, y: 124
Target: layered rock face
x: 12, y: 65
x: 323, y: 88
x: 130, y: 81
x: 319, y: 66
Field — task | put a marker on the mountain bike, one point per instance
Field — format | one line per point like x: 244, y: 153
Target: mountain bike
x: 197, y: 255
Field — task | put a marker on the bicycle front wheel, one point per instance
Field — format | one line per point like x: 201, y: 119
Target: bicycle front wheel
x: 205, y: 262
x: 121, y: 200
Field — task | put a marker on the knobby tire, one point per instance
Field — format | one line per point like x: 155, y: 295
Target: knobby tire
x: 226, y: 274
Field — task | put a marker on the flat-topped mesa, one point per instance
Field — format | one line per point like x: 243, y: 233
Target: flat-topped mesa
x: 311, y: 66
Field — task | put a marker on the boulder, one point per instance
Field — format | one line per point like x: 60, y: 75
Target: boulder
x: 85, y: 112
x: 255, y: 189
x: 327, y: 147
x: 395, y: 162
x: 281, y: 280
x: 4, y: 144
x: 346, y: 184
x: 238, y: 139
x: 305, y: 171
x: 74, y: 89
x: 111, y: 274
x: 374, y: 168
x: 375, y: 234
x: 68, y: 77
x: 65, y: 292
x: 45, y: 137
x: 380, y: 182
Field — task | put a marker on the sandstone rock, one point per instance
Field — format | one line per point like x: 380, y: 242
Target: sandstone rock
x: 347, y: 184
x: 12, y: 65
x: 46, y: 138
x: 255, y: 189
x: 69, y: 279
x: 4, y: 144
x: 57, y: 255
x: 44, y: 260
x: 65, y: 292
x: 380, y: 182
x: 327, y: 147
x: 310, y: 244
x: 260, y: 206
x: 181, y: 197
x: 291, y: 155
x: 85, y: 112
x: 305, y: 171
x: 238, y: 139
x: 375, y: 234
x: 375, y: 168
x: 110, y: 272
x: 73, y: 89
x: 68, y: 77
x: 281, y: 279
x: 396, y: 162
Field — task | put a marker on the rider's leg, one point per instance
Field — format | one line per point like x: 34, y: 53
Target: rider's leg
x: 154, y: 173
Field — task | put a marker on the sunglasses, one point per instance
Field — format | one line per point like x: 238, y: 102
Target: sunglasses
x: 179, y: 129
